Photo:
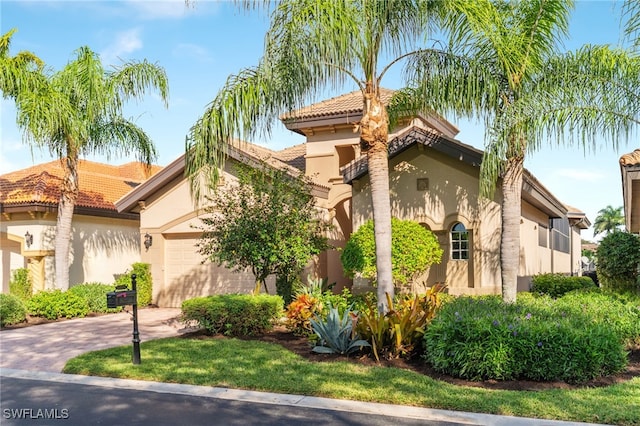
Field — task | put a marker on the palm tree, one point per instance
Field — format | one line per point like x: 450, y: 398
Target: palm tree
x: 496, y: 50
x: 608, y: 220
x: 312, y: 45
x: 18, y: 72
x: 78, y: 111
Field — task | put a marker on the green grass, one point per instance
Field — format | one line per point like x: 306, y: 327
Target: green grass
x: 262, y: 366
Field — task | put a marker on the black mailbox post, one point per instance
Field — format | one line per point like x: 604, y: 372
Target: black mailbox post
x: 123, y: 297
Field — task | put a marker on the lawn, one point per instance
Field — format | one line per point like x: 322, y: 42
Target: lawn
x: 262, y: 366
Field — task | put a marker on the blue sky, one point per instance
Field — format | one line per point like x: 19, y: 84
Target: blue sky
x: 202, y: 45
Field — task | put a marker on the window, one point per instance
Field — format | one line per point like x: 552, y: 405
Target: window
x: 459, y: 242
x: 543, y: 235
x: 560, y: 233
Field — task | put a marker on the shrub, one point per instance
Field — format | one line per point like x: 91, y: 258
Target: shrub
x: 337, y: 333
x: 555, y: 285
x: 618, y: 260
x: 144, y: 282
x: 413, y: 249
x: 299, y: 313
x: 54, y: 304
x: 484, y: 338
x: 95, y: 295
x: 20, y: 284
x: 12, y: 310
x: 234, y: 314
x: 399, y: 332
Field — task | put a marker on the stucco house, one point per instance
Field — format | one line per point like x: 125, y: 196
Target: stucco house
x: 630, y: 171
x: 105, y: 242
x: 433, y: 180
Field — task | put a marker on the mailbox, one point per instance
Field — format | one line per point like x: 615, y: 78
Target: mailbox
x: 121, y: 298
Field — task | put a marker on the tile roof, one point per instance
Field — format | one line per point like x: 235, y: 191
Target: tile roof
x: 100, y: 184
x: 630, y: 159
x: 294, y: 156
x: 350, y: 103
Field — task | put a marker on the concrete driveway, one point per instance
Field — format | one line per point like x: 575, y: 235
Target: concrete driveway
x: 47, y: 347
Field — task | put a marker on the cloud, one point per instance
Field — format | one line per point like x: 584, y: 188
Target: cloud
x: 194, y: 51
x: 580, y: 174
x: 160, y: 9
x: 125, y: 43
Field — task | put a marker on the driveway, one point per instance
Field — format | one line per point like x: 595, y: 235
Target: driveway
x: 47, y: 347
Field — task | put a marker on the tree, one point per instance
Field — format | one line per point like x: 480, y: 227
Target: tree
x: 311, y: 45
x: 413, y: 247
x: 267, y: 222
x: 496, y: 48
x: 618, y: 261
x: 17, y: 73
x: 608, y: 220
x: 75, y: 112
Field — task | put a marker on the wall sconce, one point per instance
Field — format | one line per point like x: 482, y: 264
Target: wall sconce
x: 148, y: 241
x: 28, y: 239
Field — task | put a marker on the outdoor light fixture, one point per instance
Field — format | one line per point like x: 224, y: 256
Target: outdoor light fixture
x: 28, y: 239
x: 148, y: 241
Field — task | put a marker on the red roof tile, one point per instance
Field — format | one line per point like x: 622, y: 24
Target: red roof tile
x: 100, y: 184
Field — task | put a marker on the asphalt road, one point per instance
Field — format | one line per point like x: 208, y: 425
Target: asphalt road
x: 39, y: 402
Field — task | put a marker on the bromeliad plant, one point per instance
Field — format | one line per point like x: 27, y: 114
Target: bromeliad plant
x: 398, y: 332
x: 337, y: 333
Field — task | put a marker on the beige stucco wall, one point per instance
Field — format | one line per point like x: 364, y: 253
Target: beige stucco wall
x: 176, y: 267
x: 452, y: 196
x: 100, y: 248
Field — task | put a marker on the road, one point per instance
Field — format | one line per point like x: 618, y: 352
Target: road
x: 72, y: 404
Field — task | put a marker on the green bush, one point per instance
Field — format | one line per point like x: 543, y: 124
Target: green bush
x: 621, y: 312
x: 484, y: 338
x: 144, y: 282
x: 413, y: 250
x: 54, y: 304
x: 20, y: 284
x: 234, y: 314
x: 555, y: 285
x: 96, y: 296
x: 618, y: 261
x: 12, y: 310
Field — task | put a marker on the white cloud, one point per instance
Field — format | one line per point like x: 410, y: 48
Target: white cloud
x: 125, y: 43
x: 189, y: 50
x: 160, y: 9
x: 580, y: 174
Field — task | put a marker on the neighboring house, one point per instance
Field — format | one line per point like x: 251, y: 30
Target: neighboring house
x: 434, y: 181
x: 105, y: 242
x: 630, y: 171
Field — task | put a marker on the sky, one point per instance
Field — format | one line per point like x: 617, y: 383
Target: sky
x: 201, y: 45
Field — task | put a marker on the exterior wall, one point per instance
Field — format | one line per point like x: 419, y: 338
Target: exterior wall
x: 534, y: 257
x: 100, y: 248
x: 176, y: 267
x: 451, y: 197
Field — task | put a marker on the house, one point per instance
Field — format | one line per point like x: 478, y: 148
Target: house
x: 433, y: 180
x: 105, y: 242
x: 630, y: 171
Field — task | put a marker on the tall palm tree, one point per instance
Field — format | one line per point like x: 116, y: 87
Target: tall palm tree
x: 496, y: 49
x: 312, y: 45
x: 16, y: 72
x: 78, y: 111
x: 608, y: 220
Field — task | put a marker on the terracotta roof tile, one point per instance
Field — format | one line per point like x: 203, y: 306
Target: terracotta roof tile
x: 100, y: 184
x: 630, y: 159
x: 350, y: 103
x: 294, y: 156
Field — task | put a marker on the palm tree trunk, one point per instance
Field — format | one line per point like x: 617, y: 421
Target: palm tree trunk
x: 68, y: 197
x: 374, y: 136
x: 510, y: 239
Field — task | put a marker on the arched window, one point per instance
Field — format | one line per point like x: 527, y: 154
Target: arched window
x: 459, y: 242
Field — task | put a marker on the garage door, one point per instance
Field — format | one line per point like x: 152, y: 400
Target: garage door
x: 186, y: 277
